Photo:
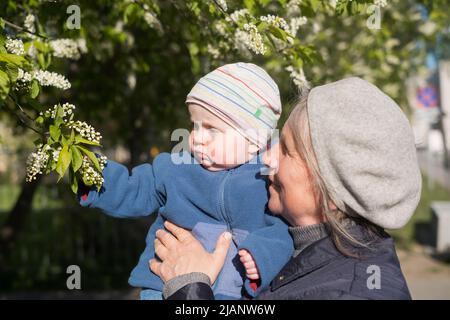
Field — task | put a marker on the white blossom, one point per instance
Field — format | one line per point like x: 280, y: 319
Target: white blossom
x: 32, y: 51
x: 293, y: 7
x: 214, y: 52
x: 29, y: 23
x: 236, y: 15
x: 224, y: 46
x: 118, y: 26
x: 81, y: 42
x: 298, y: 77
x: 278, y: 22
x: 131, y: 81
x: 36, y: 163
x: 55, y: 154
x: 221, y: 28
x: 152, y: 21
x: 68, y: 48
x: 85, y: 130
x: 223, y: 4
x: 67, y: 110
x: 275, y: 21
x: 239, y: 41
x: 23, y: 76
x: 90, y: 175
x: 295, y: 24
x: 47, y: 78
x: 14, y: 46
x: 380, y: 3
x: 254, y: 40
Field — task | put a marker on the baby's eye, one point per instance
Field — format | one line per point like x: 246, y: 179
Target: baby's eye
x: 196, y: 126
x: 213, y: 130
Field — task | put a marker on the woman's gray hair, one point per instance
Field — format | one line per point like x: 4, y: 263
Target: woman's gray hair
x: 338, y: 220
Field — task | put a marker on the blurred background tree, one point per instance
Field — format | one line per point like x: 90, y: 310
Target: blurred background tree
x: 138, y: 60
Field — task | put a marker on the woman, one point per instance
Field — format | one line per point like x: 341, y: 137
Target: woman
x: 346, y: 169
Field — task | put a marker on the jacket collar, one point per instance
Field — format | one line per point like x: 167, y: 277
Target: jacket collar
x: 310, y: 259
x: 318, y: 255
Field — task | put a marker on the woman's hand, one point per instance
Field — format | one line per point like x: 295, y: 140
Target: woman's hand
x: 181, y: 253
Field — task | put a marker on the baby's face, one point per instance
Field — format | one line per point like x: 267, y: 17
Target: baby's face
x: 215, y: 144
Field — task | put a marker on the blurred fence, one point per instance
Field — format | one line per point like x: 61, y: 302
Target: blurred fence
x: 58, y: 233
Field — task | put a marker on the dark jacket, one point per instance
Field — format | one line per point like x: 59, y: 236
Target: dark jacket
x: 321, y: 272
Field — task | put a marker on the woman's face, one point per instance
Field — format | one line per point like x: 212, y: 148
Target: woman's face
x: 290, y: 185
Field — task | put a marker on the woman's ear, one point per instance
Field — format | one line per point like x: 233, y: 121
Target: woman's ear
x: 332, y: 206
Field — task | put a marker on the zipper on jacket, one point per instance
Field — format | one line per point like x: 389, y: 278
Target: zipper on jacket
x: 222, y: 199
x: 222, y: 208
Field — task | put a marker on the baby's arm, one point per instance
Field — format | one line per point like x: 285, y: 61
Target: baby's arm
x: 123, y: 195
x: 264, y: 252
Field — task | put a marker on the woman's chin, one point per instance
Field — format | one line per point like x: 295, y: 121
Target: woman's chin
x: 274, y: 206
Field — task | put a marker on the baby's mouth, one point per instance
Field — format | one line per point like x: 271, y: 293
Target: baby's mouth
x: 203, y: 156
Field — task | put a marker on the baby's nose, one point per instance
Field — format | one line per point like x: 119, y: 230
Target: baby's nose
x: 201, y: 136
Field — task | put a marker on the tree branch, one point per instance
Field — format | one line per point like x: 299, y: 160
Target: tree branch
x: 20, y: 118
x: 15, y: 26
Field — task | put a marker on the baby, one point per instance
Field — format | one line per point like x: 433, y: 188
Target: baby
x: 234, y: 109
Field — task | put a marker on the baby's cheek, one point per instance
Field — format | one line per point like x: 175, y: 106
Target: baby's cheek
x: 217, y: 153
x: 191, y: 141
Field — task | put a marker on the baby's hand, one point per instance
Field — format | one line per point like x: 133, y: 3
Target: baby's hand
x: 249, y: 263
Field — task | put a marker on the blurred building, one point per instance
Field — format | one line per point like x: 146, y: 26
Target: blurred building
x: 429, y: 98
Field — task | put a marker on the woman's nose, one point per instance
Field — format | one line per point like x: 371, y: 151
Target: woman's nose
x: 270, y: 157
x: 266, y: 158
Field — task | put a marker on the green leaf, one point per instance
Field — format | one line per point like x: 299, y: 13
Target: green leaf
x: 314, y: 4
x: 12, y: 58
x: 264, y: 2
x: 12, y: 71
x: 279, y: 33
x: 59, y: 111
x: 41, y: 60
x: 91, y: 156
x: 55, y: 132
x: 79, y: 139
x: 341, y: 7
x: 85, y: 182
x: 63, y: 161
x: 212, y: 8
x: 40, y: 46
x: 73, y: 182
x: 77, y: 158
x: 72, y: 137
x: 39, y: 120
x: 249, y: 4
x: 262, y: 26
x: 58, y: 122
x: 34, y: 88
x: 37, y: 142
x: 130, y: 11
x: 4, y: 85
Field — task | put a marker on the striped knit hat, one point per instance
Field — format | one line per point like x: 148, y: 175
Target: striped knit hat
x: 244, y: 96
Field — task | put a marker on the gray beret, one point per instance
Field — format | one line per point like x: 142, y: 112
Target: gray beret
x: 365, y: 150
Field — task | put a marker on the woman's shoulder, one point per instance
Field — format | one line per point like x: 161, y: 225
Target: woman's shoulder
x: 321, y: 271
x: 375, y: 269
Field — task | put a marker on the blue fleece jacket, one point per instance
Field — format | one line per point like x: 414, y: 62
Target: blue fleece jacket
x: 206, y: 202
